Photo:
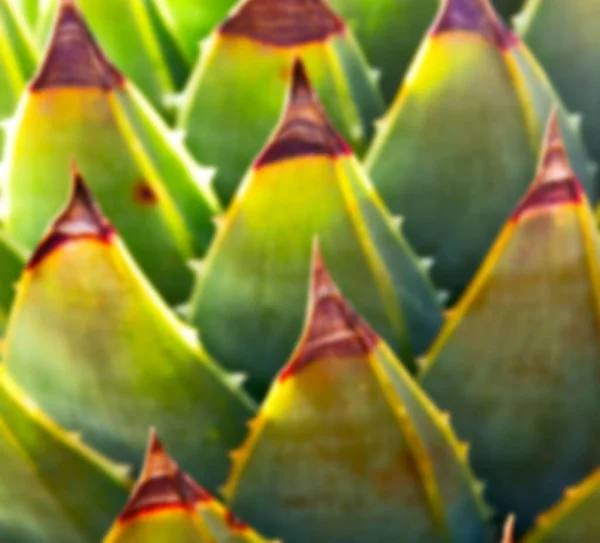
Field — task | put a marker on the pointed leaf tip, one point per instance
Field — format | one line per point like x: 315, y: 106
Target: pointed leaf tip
x: 555, y: 182
x: 333, y: 329
x: 305, y: 129
x: 81, y: 218
x: 162, y: 485
x: 477, y: 16
x: 73, y: 58
x: 284, y: 23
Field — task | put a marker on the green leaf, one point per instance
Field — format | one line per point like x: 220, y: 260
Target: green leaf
x: 12, y: 262
x: 459, y: 146
x: 347, y: 447
x: 80, y: 107
x: 517, y: 361
x: 564, y: 35
x: 226, y: 128
x: 52, y: 487
x: 389, y: 32
x: 18, y: 58
x: 253, y: 281
x: 95, y: 346
x: 191, y: 22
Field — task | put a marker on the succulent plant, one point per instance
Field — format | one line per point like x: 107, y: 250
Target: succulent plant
x: 224, y: 129
x: 521, y: 347
x: 134, y: 367
x: 152, y: 190
x: 372, y: 458
x: 262, y: 278
x: 255, y: 274
x: 458, y: 147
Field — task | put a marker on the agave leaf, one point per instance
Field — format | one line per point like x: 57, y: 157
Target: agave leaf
x: 95, y: 346
x: 17, y: 60
x: 191, y: 22
x: 574, y: 518
x: 389, y: 32
x: 347, y: 448
x: 161, y: 507
x: 459, y: 146
x: 79, y: 106
x: 563, y: 35
x: 12, y: 262
x: 52, y: 488
x: 305, y: 183
x: 521, y: 348
x: 226, y: 129
x: 131, y: 34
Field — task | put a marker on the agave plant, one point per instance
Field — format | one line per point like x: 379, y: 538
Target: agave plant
x: 211, y: 230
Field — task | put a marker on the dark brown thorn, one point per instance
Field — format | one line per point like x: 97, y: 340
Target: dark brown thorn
x: 333, y: 329
x: 283, y: 23
x: 161, y: 485
x: 477, y: 16
x: 555, y: 183
x: 81, y: 218
x: 305, y: 129
x: 73, y: 58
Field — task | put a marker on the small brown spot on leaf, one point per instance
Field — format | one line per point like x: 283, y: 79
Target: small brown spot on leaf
x: 144, y: 194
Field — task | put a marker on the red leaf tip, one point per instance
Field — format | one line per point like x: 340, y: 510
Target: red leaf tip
x: 162, y: 485
x: 555, y: 183
x: 477, y: 16
x: 81, y: 218
x: 333, y: 329
x: 305, y: 129
x: 283, y: 23
x: 73, y: 58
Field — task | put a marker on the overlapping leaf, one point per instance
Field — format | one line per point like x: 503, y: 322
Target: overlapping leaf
x: 346, y: 447
x: 563, y: 36
x: 517, y: 362
x: 459, y: 146
x: 52, y: 487
x: 238, y: 86
x: 95, y: 346
x: 79, y: 106
x: 250, y: 298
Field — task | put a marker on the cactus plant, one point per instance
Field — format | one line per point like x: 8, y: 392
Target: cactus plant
x: 226, y: 130
x: 458, y: 148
